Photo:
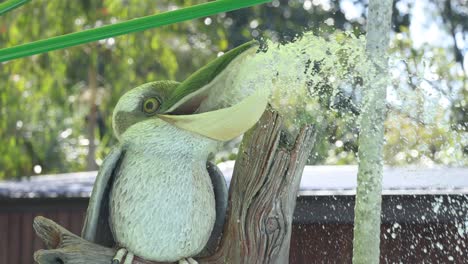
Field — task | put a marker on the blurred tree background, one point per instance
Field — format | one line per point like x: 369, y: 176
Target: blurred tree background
x: 55, y: 108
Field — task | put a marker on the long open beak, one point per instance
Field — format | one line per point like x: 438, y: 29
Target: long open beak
x: 223, y: 124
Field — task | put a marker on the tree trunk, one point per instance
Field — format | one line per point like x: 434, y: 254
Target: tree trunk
x: 262, y: 197
x: 366, y: 245
x: 92, y: 116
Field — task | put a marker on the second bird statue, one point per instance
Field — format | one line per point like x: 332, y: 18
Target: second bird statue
x: 156, y: 196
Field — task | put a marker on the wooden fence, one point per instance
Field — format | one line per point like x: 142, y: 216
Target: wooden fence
x: 17, y: 238
x: 412, y: 232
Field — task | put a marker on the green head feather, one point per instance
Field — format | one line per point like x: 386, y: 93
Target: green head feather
x: 190, y: 88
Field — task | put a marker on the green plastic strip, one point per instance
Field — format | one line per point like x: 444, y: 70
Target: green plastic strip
x: 10, y: 5
x: 126, y: 27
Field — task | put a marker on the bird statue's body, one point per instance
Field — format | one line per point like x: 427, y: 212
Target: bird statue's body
x: 156, y: 195
x: 169, y: 170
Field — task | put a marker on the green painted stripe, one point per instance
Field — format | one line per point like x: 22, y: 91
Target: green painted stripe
x: 9, y: 5
x: 206, y: 74
x: 126, y: 27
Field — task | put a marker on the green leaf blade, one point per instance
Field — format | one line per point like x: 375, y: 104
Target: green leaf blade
x: 134, y: 25
x: 9, y: 5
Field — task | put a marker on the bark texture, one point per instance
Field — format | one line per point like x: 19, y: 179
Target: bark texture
x: 262, y: 197
x: 366, y: 244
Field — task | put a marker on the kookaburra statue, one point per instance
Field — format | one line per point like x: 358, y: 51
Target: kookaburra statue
x: 156, y: 196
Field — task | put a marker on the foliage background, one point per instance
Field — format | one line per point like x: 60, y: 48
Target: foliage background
x: 55, y: 108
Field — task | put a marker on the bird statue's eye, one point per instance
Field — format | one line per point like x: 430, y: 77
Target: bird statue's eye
x: 151, y: 105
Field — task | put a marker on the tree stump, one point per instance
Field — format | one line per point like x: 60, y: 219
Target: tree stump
x: 262, y: 197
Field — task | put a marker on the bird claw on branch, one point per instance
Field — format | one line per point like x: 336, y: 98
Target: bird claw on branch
x: 65, y: 247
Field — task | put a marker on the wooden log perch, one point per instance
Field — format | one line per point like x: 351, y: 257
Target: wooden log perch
x: 262, y: 197
x: 65, y: 247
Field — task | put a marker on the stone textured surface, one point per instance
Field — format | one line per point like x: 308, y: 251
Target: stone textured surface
x: 162, y: 201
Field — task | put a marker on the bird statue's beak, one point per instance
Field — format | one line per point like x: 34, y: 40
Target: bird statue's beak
x: 223, y: 124
x: 181, y: 109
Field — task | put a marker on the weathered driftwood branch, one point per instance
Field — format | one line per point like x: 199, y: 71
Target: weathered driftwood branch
x: 67, y: 248
x: 262, y: 198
